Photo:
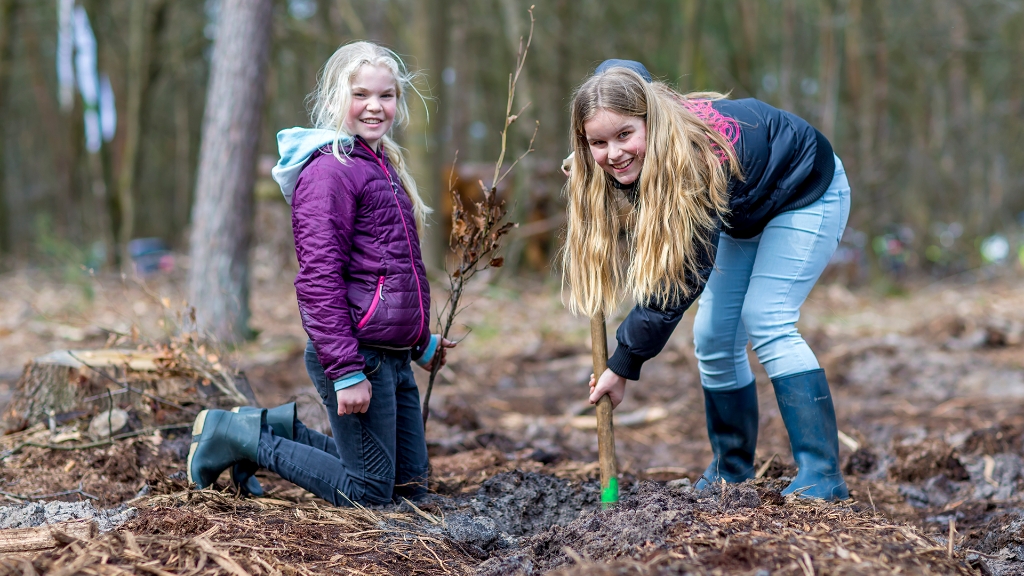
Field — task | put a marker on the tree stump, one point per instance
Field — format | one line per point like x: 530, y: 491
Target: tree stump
x: 65, y: 385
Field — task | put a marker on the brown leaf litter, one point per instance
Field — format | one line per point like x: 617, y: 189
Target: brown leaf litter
x: 210, y: 533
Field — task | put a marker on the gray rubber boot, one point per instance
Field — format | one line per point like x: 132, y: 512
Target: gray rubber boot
x: 732, y: 429
x: 221, y: 439
x: 806, y: 406
x: 282, y: 421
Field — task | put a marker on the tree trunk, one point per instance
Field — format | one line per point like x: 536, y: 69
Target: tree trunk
x: 182, y: 145
x: 428, y: 34
x: 829, y: 71
x: 222, y: 214
x: 61, y: 131
x: 102, y: 230
x: 138, y: 77
x: 516, y: 36
x: 345, y: 12
x: 565, y: 60
x: 689, y: 53
x: 7, y: 10
x: 439, y: 155
x: 854, y: 72
x: 746, y: 55
x: 880, y: 94
x: 786, y: 70
x: 860, y: 87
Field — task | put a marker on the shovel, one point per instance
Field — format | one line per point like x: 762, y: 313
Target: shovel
x: 605, y: 430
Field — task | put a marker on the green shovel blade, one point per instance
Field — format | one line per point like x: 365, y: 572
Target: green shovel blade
x: 610, y: 494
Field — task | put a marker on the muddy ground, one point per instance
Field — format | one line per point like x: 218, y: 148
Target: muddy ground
x: 928, y: 389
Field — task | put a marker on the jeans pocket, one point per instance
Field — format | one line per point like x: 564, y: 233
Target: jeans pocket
x: 373, y: 362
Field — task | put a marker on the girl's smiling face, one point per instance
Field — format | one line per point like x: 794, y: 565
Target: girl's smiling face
x: 618, y: 144
x: 374, y: 103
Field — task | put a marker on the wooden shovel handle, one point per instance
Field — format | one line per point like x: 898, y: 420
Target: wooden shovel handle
x: 605, y: 429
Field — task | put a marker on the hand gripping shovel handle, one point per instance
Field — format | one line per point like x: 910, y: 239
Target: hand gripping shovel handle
x: 605, y: 430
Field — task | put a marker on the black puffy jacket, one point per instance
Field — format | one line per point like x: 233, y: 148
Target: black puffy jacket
x: 786, y: 165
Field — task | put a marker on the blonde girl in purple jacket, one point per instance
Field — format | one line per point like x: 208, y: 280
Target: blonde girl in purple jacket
x: 363, y: 299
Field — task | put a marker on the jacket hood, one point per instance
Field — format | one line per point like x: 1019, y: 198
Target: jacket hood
x: 296, y: 145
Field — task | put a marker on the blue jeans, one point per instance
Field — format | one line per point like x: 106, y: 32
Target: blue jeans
x: 378, y: 457
x: 757, y: 287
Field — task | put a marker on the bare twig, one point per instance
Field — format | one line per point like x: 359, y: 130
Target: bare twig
x: 952, y: 537
x: 18, y: 448
x: 32, y: 497
x: 476, y: 237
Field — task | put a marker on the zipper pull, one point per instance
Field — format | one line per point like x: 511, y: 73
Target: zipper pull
x: 380, y: 289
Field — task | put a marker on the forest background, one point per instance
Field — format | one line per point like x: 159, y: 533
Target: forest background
x: 919, y: 97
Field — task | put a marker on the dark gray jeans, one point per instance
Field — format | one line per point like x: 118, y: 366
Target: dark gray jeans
x: 380, y: 456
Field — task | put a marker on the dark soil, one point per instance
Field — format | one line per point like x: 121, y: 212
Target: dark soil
x: 511, y: 505
x: 659, y: 530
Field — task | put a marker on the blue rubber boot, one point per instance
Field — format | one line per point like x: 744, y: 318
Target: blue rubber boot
x: 221, y: 439
x: 282, y: 421
x: 806, y: 406
x: 732, y: 429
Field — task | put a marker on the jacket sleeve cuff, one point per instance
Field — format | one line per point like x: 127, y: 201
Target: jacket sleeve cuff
x: 428, y: 351
x: 349, y: 380
x: 625, y: 364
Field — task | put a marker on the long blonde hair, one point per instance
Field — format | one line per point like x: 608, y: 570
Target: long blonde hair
x: 682, y: 193
x: 333, y: 96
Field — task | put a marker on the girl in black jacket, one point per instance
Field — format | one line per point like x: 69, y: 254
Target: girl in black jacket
x: 732, y: 201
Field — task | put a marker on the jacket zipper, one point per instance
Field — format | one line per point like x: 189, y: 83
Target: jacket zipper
x: 408, y: 237
x: 378, y: 297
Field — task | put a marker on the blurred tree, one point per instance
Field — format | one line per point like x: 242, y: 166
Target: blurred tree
x: 59, y: 146
x: 428, y: 36
x: 218, y: 280
x: 920, y: 97
x: 146, y: 17
x: 7, y: 8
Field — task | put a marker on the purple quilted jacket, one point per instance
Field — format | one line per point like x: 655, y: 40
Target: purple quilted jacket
x: 361, y: 278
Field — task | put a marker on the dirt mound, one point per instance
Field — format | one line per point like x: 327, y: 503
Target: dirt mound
x: 512, y: 505
x: 995, y: 440
x: 659, y: 530
x: 920, y: 461
x: 524, y: 503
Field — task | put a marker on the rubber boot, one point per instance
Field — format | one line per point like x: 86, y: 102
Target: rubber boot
x: 732, y: 429
x: 221, y: 439
x: 810, y: 418
x: 282, y: 421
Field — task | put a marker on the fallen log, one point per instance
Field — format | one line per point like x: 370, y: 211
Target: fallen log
x: 46, y: 537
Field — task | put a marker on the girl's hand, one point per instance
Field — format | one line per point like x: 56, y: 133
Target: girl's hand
x: 611, y: 384
x: 355, y: 399
x: 440, y: 355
